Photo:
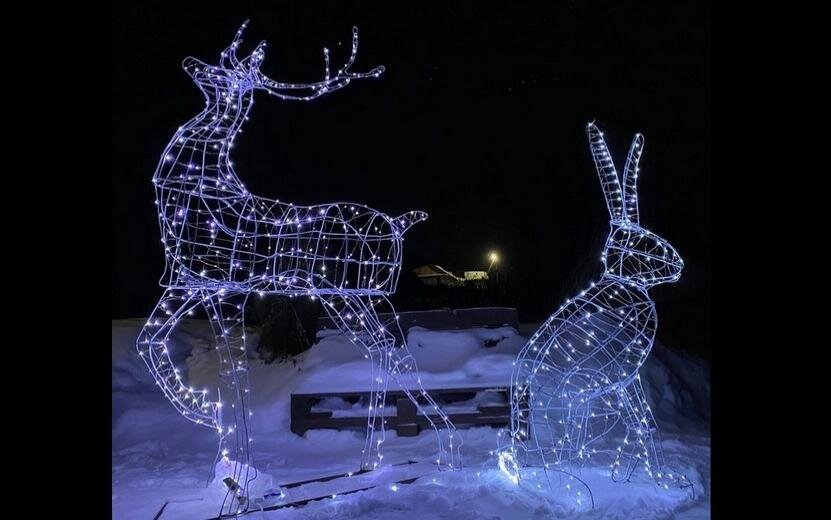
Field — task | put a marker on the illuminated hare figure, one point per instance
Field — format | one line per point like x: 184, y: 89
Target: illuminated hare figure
x: 223, y: 243
x: 578, y: 374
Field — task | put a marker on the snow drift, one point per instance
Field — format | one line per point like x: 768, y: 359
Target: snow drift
x: 159, y: 456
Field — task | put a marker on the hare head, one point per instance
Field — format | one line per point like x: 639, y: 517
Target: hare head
x: 632, y: 253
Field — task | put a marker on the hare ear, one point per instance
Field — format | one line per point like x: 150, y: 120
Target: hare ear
x: 606, y: 171
x: 630, y: 179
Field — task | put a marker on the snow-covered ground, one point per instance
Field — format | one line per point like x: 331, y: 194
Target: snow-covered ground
x: 159, y: 457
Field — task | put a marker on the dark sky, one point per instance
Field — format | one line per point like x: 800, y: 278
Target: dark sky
x: 479, y: 120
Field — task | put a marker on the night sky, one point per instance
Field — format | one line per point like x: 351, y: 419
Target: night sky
x: 479, y: 120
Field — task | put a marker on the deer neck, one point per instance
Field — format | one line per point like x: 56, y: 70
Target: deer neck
x: 198, y: 155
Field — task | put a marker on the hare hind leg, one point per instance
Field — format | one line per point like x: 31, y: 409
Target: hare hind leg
x: 558, y: 421
x: 581, y: 410
x: 561, y: 434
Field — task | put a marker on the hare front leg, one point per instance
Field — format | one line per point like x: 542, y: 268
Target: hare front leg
x: 642, y: 442
x: 226, y: 315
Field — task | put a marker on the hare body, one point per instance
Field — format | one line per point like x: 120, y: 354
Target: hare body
x: 594, y: 343
x: 577, y: 378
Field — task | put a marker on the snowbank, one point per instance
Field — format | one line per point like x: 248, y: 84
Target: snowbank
x: 159, y: 456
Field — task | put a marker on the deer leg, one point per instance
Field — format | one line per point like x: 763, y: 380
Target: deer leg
x: 371, y: 455
x: 403, y: 368
x: 226, y: 315
x: 193, y: 404
x: 359, y: 314
x: 348, y: 316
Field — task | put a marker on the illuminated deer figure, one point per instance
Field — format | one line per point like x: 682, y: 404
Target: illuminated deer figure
x: 577, y: 376
x: 223, y: 243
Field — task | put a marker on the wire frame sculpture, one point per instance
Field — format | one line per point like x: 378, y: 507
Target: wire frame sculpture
x: 223, y: 243
x: 577, y: 377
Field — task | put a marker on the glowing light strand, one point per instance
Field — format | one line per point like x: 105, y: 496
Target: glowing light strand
x: 577, y: 377
x: 223, y: 243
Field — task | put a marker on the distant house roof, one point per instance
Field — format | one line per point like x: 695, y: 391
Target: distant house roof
x: 431, y: 274
x: 433, y: 270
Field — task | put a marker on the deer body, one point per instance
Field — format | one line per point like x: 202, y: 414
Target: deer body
x: 215, y: 231
x: 223, y: 243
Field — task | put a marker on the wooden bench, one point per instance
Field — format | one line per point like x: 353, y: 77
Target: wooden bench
x: 407, y: 422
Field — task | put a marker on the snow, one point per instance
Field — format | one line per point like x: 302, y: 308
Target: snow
x: 159, y: 457
x: 446, y: 359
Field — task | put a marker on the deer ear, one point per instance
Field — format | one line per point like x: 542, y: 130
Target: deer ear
x: 606, y: 171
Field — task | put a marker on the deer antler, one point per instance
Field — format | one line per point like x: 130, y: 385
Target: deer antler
x: 251, y: 63
x: 230, y: 53
x: 319, y: 88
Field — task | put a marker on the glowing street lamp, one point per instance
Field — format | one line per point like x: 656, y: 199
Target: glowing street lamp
x: 494, y: 258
